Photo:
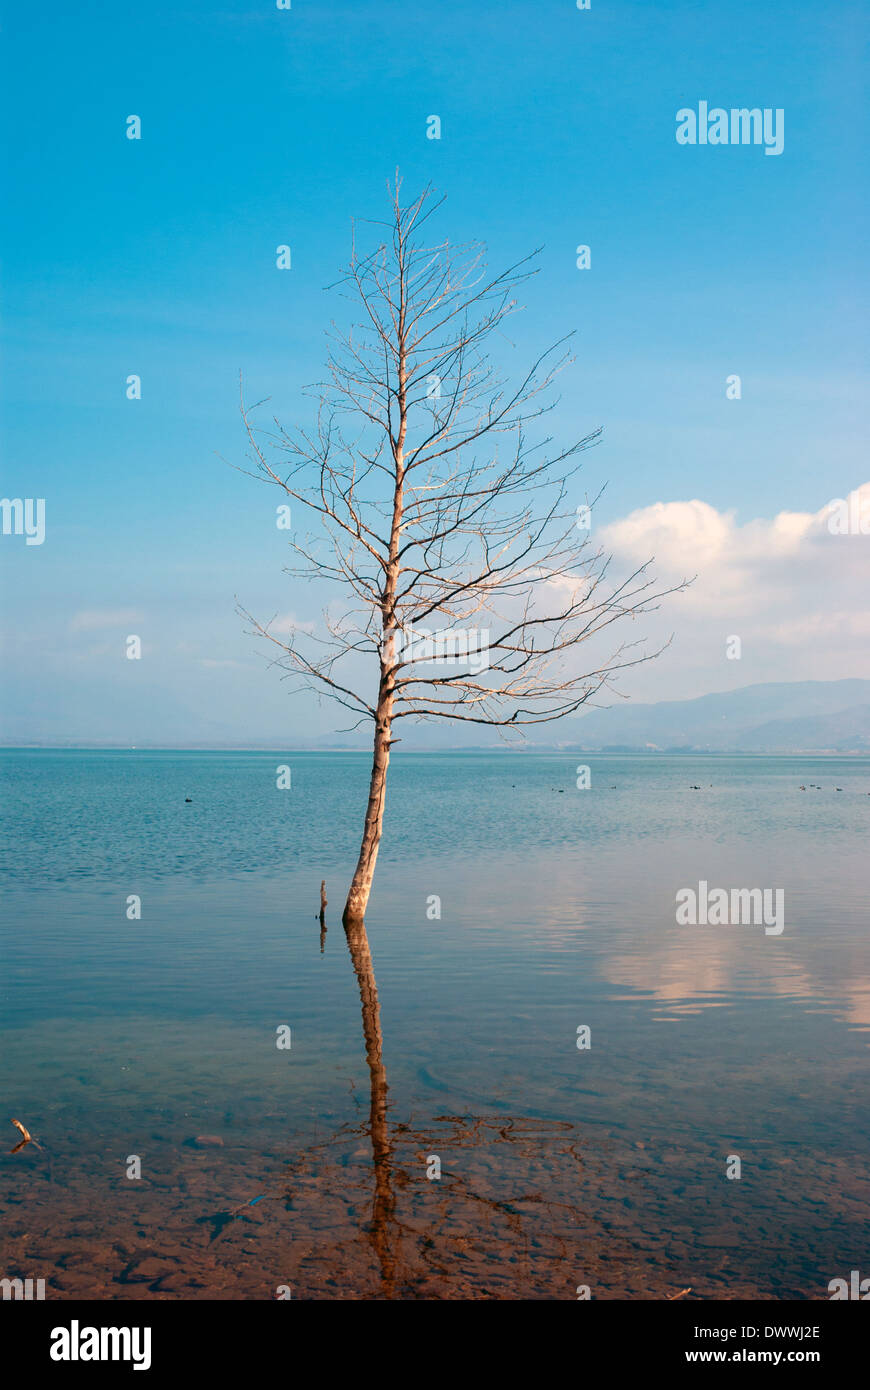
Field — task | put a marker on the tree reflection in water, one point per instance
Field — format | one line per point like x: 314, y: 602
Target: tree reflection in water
x: 504, y: 1220
x: 384, y: 1205
x: 451, y: 1219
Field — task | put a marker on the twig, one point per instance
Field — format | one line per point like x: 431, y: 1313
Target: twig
x: 27, y: 1139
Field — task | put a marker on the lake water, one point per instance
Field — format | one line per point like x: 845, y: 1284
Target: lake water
x: 446, y: 1041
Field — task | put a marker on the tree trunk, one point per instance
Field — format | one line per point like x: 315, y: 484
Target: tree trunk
x: 361, y: 885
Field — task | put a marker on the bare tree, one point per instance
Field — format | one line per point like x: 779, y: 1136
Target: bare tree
x: 468, y: 583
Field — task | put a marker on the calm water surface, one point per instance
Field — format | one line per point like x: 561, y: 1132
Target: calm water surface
x: 451, y: 1039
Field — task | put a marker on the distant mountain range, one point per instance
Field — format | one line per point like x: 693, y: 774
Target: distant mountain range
x: 791, y: 716
x: 779, y: 717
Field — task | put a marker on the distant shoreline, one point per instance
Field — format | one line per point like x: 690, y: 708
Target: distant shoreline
x: 530, y: 750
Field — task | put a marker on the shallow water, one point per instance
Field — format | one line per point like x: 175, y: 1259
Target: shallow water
x: 454, y: 1039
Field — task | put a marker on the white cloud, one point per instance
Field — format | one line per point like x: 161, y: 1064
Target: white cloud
x: 288, y: 623
x: 796, y: 594
x: 95, y: 619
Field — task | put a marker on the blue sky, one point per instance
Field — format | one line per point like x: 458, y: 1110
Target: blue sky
x: 262, y: 127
